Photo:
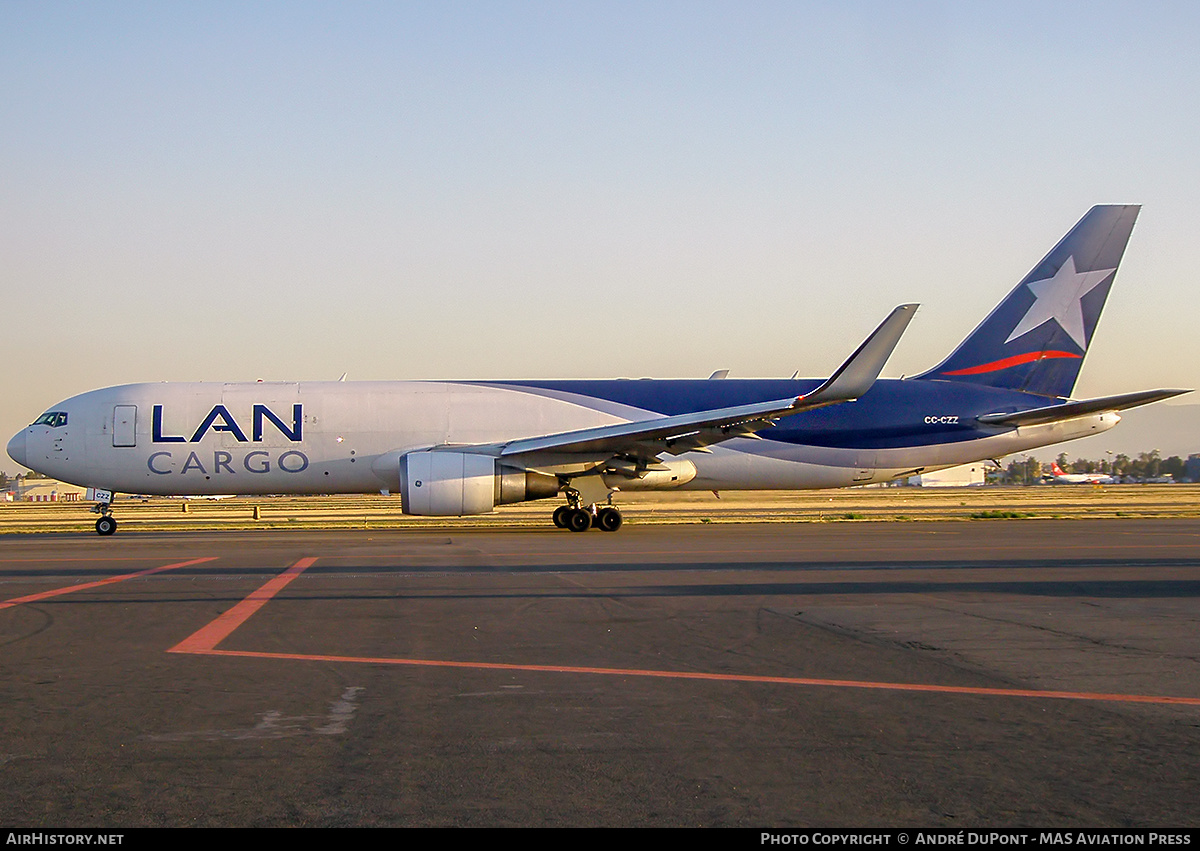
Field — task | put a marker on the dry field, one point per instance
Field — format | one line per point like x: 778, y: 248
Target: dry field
x: 1017, y: 504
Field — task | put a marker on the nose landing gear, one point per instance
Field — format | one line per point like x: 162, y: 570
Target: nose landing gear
x: 107, y: 524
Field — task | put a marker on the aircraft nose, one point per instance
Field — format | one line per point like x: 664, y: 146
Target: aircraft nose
x: 16, y: 448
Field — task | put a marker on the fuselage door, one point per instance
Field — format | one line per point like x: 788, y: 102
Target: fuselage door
x: 865, y: 466
x: 124, y: 425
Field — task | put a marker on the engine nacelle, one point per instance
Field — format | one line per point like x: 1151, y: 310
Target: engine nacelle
x: 451, y: 484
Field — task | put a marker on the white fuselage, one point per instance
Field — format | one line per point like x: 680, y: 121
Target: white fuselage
x: 348, y: 437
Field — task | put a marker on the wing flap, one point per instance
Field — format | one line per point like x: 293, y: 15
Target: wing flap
x: 729, y: 422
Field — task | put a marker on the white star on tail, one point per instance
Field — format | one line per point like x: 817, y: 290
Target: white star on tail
x: 1059, y: 298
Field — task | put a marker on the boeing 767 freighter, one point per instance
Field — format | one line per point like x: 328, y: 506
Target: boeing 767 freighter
x: 464, y: 447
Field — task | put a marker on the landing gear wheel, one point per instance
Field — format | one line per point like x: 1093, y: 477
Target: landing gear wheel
x: 560, y: 516
x: 608, y: 519
x: 579, y: 519
x: 106, y: 525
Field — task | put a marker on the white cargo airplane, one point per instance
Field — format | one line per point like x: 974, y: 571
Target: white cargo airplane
x: 464, y: 447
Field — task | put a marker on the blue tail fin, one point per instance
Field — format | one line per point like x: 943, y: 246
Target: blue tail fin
x: 1036, y: 338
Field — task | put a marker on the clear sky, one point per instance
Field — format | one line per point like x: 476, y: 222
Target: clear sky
x: 293, y: 190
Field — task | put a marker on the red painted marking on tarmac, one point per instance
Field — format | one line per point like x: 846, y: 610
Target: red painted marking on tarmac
x: 16, y: 601
x: 204, y: 642
x: 208, y: 637
x: 729, y: 678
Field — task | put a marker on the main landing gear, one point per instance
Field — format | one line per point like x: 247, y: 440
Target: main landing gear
x: 579, y: 518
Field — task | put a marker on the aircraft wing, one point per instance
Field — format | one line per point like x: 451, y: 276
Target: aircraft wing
x: 1070, y: 410
x: 646, y: 439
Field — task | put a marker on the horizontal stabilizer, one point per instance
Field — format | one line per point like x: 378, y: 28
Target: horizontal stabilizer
x: 1070, y: 410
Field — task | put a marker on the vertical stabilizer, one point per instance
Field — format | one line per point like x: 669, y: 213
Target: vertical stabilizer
x: 1035, y: 340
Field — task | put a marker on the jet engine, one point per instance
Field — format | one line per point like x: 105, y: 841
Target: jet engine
x: 451, y: 484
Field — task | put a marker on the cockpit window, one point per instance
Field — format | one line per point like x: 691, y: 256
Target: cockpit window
x: 54, y: 419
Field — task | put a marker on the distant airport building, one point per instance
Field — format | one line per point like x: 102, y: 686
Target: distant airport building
x: 967, y: 475
x: 22, y: 489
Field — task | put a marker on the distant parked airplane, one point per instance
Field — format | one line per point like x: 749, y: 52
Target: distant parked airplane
x: 463, y: 447
x: 1061, y: 478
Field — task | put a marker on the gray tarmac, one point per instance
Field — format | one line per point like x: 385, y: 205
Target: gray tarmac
x: 943, y: 674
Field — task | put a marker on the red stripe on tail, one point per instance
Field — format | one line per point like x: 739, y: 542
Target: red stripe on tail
x: 1015, y: 360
